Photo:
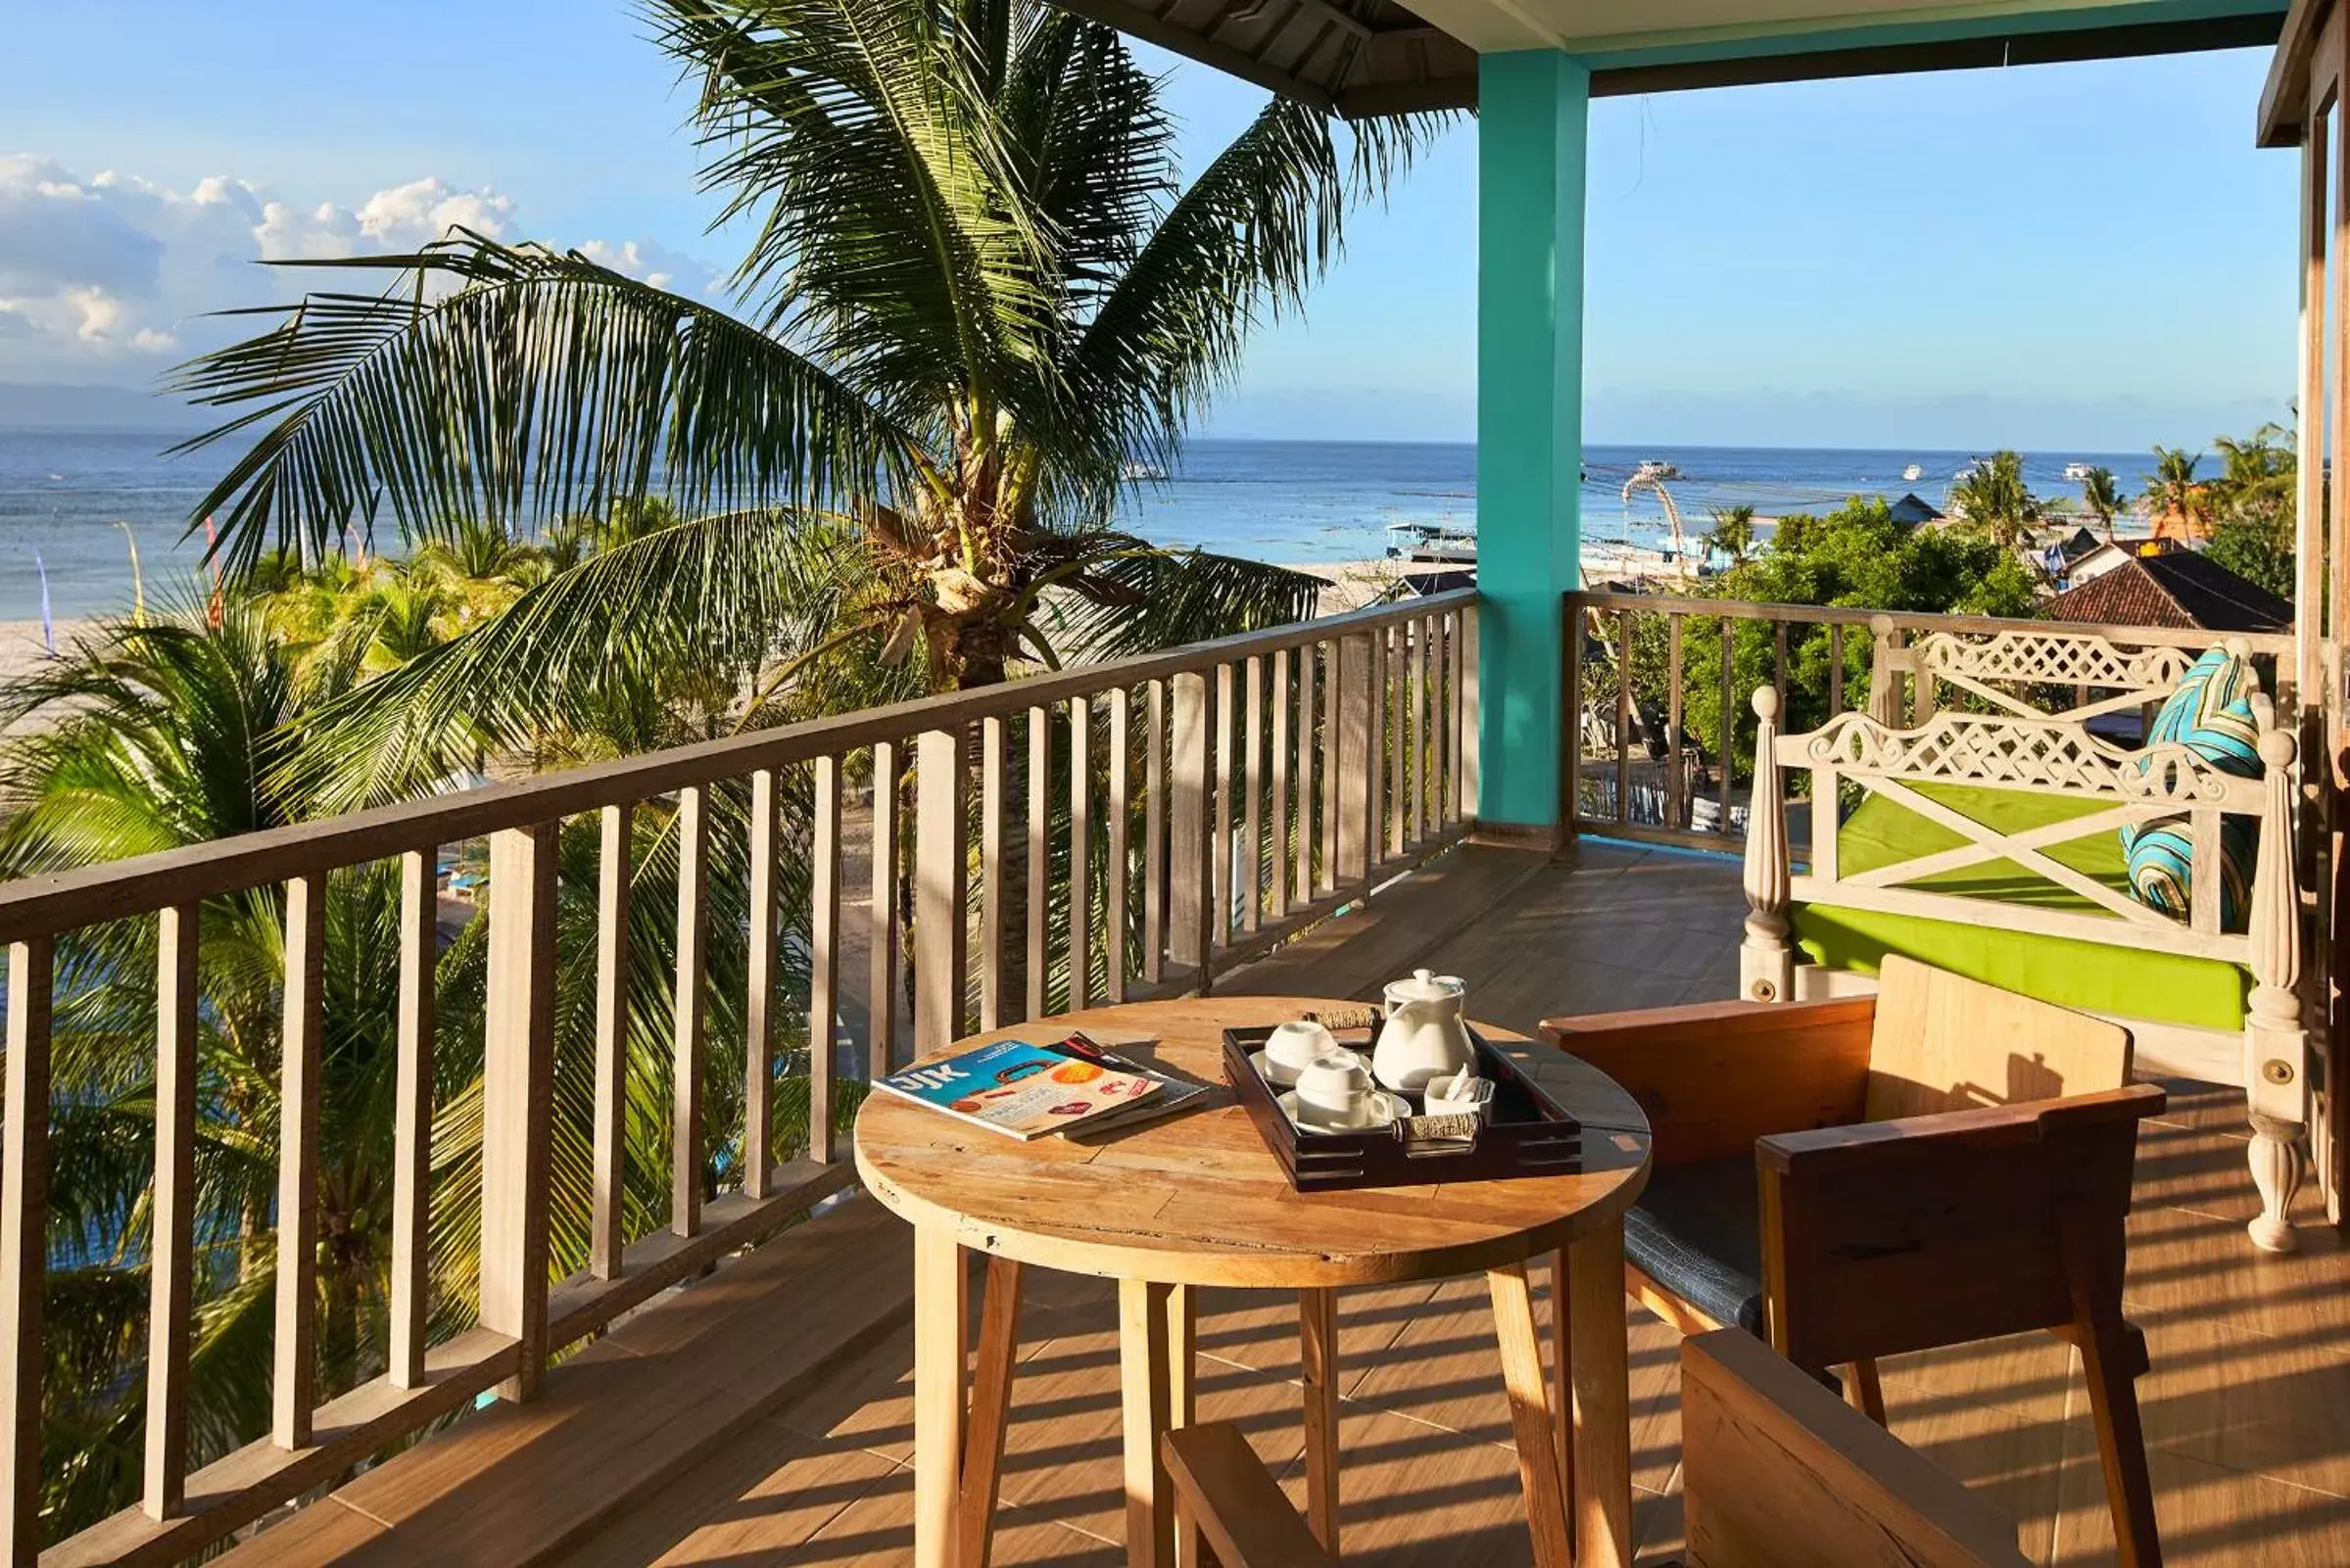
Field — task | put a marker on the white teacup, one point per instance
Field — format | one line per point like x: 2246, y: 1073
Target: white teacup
x: 1292, y: 1047
x: 1335, y: 1090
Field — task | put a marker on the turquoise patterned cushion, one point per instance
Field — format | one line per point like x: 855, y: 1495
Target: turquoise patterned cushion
x: 2162, y: 858
x: 2211, y: 715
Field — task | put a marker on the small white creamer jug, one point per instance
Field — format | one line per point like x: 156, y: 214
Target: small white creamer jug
x: 1425, y: 1035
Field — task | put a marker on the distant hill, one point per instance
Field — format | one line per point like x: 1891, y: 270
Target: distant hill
x: 50, y: 406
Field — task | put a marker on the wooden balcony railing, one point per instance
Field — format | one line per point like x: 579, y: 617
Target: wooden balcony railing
x: 1281, y: 775
x: 1660, y: 730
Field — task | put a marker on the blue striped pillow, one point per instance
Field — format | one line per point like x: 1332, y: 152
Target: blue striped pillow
x: 2162, y: 859
x: 2211, y: 715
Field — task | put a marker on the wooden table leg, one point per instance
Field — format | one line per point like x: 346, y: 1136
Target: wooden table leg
x: 1519, y: 1340
x: 1144, y: 1312
x: 990, y: 1414
x: 1317, y: 1356
x: 1182, y: 1399
x: 938, y: 1394
x: 1603, y: 1391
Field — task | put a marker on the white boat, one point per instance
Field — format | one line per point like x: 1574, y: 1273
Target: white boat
x: 2076, y: 473
x: 1431, y: 544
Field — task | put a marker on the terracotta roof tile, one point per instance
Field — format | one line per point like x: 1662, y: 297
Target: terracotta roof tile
x: 2182, y: 590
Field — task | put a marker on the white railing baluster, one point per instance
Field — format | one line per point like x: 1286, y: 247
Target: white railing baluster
x: 1335, y: 697
x: 688, y: 1014
x: 616, y: 872
x: 1424, y: 767
x: 881, y: 1045
x: 758, y: 1016
x: 1351, y: 771
x: 1119, y: 814
x: 940, y: 940
x: 1187, y: 836
x: 23, y: 1244
x: 1219, y: 844
x: 1386, y: 837
x: 1040, y: 865
x: 413, y: 1119
x: 1306, y: 797
x: 1154, y: 839
x: 1375, y: 794
x: 991, y: 872
x: 171, y: 1280
x: 824, y: 954
x: 1252, y: 814
x: 519, y: 1097
x: 1466, y: 739
x: 1080, y: 855
x: 1279, y: 848
x: 1399, y: 737
x: 294, y: 1381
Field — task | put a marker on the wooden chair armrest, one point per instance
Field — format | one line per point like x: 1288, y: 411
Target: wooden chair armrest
x: 1894, y: 1236
x: 1855, y: 1147
x: 1235, y: 1502
x: 1715, y: 1077
x: 1777, y: 1469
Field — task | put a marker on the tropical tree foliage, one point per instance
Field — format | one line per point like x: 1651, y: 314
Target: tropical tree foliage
x: 1857, y: 557
x: 2174, y: 496
x: 1992, y: 498
x: 156, y: 734
x: 2252, y: 505
x: 1732, y: 532
x: 2102, y: 495
x: 978, y: 296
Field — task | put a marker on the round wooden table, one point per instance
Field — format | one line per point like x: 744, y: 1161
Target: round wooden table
x: 1196, y: 1199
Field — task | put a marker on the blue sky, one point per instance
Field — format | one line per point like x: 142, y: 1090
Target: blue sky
x: 2089, y: 257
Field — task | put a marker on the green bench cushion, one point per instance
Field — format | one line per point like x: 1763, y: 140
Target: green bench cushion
x: 2131, y: 981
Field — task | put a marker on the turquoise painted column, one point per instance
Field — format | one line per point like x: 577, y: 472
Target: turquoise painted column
x: 1532, y: 128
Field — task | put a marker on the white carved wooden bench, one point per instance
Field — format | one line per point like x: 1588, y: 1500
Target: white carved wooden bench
x: 1983, y: 838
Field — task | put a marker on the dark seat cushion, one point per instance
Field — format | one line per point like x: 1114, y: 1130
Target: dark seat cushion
x: 1694, y: 1231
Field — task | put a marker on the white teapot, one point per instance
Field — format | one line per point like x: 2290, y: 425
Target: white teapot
x: 1425, y: 1035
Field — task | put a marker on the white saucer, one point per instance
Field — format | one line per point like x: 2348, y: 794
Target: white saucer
x: 1385, y: 1111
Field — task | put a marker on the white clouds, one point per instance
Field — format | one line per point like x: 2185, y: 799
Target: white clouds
x: 108, y: 278
x: 650, y: 262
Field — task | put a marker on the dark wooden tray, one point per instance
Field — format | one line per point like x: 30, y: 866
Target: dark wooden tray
x: 1526, y: 1134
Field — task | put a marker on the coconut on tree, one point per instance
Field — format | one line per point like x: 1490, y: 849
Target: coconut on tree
x: 979, y: 298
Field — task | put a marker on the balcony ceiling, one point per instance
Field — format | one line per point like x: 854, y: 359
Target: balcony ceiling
x: 1371, y: 57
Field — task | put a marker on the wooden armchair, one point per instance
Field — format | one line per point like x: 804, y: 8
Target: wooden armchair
x: 1775, y: 1473
x: 1942, y: 1163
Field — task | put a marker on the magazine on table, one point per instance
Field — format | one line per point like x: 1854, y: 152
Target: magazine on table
x: 1174, y: 1091
x: 1020, y: 1090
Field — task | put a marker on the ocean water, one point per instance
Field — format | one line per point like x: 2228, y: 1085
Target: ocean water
x: 74, y: 502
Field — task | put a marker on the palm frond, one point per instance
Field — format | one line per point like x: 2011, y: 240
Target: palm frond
x: 699, y: 603
x: 1133, y: 597
x: 531, y: 386
x: 1241, y: 246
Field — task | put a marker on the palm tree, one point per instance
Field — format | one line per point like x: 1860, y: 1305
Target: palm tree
x: 1993, y: 498
x: 2174, y: 493
x: 2102, y: 494
x: 978, y: 297
x: 1733, y: 532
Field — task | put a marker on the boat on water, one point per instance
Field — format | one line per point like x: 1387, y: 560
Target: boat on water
x: 2075, y: 473
x: 1431, y: 544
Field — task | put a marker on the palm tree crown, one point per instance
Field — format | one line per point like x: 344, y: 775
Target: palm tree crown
x: 1994, y: 497
x: 976, y: 298
x: 2102, y: 494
